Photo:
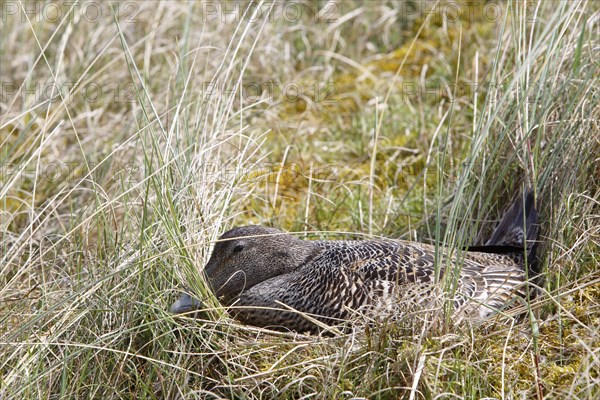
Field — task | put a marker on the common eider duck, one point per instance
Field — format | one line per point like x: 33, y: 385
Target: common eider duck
x: 276, y: 280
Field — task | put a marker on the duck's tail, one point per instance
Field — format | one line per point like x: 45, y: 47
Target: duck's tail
x: 516, y: 232
x: 518, y: 227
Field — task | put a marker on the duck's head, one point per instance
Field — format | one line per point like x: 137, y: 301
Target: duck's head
x: 248, y: 255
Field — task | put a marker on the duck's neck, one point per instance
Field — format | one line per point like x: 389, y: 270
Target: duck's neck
x: 301, y: 252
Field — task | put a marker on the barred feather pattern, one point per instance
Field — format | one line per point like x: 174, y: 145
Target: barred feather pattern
x: 274, y: 279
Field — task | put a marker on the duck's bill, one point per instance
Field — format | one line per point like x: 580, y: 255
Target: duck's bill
x: 184, y: 304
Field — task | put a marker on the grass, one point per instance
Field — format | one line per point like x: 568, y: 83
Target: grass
x: 127, y: 149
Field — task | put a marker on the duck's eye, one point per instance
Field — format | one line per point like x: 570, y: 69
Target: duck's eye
x: 238, y: 248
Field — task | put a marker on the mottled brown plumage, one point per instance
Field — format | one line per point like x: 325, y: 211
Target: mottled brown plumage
x: 265, y: 272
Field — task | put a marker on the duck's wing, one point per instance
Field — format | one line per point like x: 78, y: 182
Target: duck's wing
x: 485, y: 289
x: 391, y: 260
x: 477, y: 282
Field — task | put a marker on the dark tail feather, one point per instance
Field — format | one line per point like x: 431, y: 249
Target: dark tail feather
x: 517, y: 229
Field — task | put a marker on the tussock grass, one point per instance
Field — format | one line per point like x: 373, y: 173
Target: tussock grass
x: 127, y: 149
